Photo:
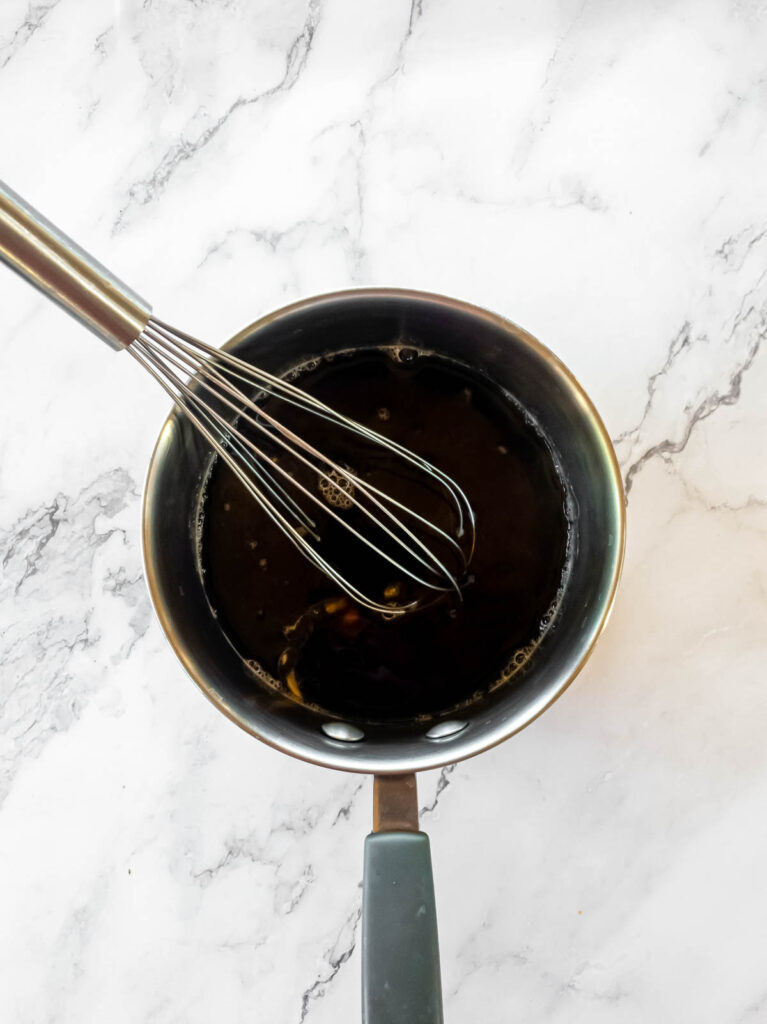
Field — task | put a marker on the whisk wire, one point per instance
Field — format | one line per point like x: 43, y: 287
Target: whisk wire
x: 331, y: 415
x: 311, y: 553
x: 226, y: 425
x: 295, y: 396
x: 170, y: 356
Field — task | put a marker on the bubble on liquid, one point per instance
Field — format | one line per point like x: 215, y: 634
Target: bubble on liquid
x: 310, y: 364
x: 261, y: 674
x: 199, y: 519
x: 548, y: 617
x: 404, y: 353
x: 337, y: 489
x: 393, y: 614
x: 252, y: 544
x: 520, y: 659
x: 263, y: 563
x: 227, y: 507
x: 503, y: 449
x: 516, y: 662
x: 383, y: 414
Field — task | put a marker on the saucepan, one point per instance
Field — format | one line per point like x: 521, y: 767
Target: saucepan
x: 400, y: 957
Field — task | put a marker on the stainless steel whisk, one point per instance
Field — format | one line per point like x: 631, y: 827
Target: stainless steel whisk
x: 203, y: 381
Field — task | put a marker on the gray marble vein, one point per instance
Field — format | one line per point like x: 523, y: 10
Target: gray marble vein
x: 185, y: 149
x: 52, y: 561
x: 335, y: 958
x: 34, y: 18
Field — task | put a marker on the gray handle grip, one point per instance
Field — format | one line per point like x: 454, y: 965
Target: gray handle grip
x: 400, y: 952
x: 52, y: 262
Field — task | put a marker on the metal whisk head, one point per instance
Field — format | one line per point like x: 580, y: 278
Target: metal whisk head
x: 224, y: 396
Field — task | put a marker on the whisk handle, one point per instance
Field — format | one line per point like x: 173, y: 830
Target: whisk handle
x: 52, y: 262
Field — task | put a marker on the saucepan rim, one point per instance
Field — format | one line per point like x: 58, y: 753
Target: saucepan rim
x: 339, y: 754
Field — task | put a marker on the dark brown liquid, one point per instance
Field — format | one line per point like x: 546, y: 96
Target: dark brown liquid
x: 282, y: 613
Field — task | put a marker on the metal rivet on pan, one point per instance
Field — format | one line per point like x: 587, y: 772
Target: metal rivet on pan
x: 343, y: 731
x: 442, y: 730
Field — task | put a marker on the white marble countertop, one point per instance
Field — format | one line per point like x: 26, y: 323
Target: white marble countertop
x: 598, y: 173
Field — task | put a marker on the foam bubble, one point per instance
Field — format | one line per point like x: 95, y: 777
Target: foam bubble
x: 403, y: 353
x: 260, y: 673
x: 336, y: 489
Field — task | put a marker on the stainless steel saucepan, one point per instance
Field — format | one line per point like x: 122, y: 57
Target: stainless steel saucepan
x: 400, y: 957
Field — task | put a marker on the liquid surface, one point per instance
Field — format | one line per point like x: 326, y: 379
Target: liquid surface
x: 296, y: 628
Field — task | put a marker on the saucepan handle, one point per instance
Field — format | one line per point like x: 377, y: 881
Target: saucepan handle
x: 400, y: 950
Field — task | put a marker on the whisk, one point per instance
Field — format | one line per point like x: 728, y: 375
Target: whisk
x: 223, y: 396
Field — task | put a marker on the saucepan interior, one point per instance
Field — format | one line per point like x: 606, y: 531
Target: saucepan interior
x: 517, y: 363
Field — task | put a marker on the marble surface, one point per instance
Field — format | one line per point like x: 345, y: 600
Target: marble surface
x: 597, y: 171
